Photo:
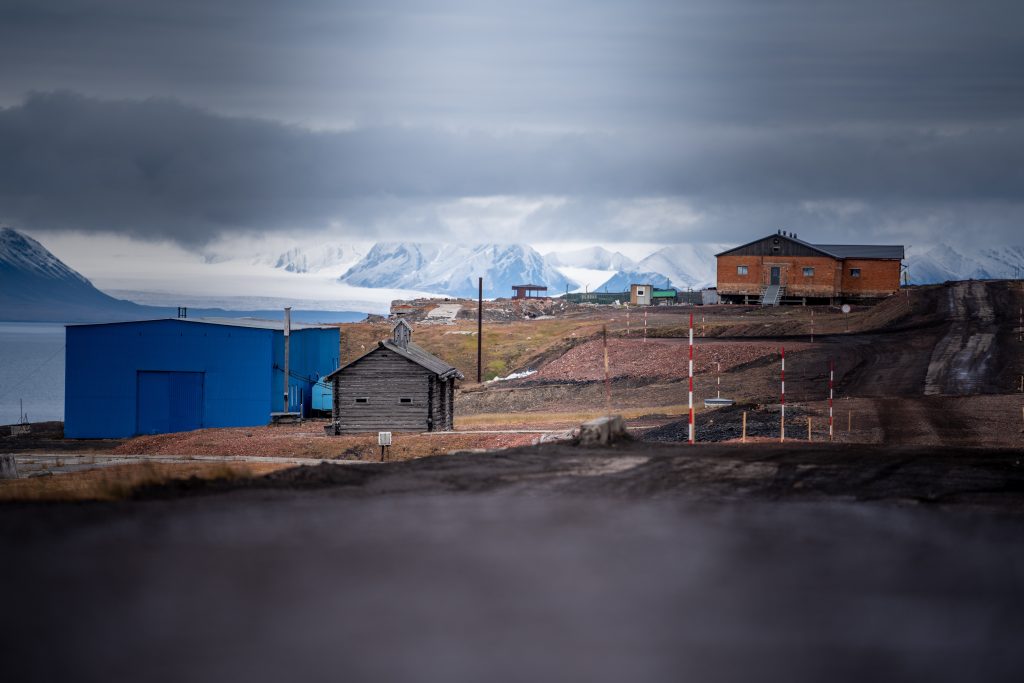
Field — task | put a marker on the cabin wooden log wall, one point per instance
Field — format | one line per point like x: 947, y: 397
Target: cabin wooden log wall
x: 395, y: 387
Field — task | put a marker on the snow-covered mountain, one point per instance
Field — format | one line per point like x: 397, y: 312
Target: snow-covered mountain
x: 941, y: 262
x: 37, y: 286
x: 686, y: 265
x: 682, y: 266
x: 621, y: 281
x: 338, y: 257
x: 453, y: 269
x: 593, y: 258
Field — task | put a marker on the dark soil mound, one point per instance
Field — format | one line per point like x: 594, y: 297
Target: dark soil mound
x: 726, y: 423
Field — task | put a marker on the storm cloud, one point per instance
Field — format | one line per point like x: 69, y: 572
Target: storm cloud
x: 642, y: 121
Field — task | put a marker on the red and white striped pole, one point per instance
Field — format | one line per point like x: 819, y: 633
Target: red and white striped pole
x: 718, y: 378
x: 690, y: 399
x: 782, y: 423
x: 627, y: 320
x: 831, y: 384
x: 812, y: 325
x: 645, y: 325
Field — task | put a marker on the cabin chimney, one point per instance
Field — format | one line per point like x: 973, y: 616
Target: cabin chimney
x: 401, y: 333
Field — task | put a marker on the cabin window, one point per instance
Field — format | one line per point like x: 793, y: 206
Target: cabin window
x: 854, y: 272
x: 405, y: 400
x: 362, y: 400
x: 741, y: 270
x: 639, y: 292
x: 808, y: 272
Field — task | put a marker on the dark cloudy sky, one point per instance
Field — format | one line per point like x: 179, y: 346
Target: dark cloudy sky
x: 633, y: 121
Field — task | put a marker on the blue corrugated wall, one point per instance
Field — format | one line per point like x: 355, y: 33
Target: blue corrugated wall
x: 237, y: 381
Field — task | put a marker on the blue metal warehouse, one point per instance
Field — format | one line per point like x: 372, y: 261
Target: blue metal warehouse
x: 156, y: 376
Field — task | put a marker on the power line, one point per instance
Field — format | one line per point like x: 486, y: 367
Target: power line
x: 37, y: 369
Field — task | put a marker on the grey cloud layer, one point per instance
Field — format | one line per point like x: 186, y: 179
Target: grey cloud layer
x: 889, y: 117
x: 570, y: 64
x: 159, y: 169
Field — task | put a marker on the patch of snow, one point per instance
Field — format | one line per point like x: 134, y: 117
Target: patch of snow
x: 514, y: 375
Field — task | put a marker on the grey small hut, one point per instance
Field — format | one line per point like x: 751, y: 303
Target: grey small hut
x: 395, y: 387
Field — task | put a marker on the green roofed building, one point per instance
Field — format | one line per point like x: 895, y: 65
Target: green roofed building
x: 663, y: 296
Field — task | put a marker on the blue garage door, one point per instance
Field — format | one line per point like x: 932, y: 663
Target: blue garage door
x: 169, y: 402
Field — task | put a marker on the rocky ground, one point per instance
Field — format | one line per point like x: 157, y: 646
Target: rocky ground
x: 664, y: 359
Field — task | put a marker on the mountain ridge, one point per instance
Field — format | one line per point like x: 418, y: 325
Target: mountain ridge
x: 453, y: 269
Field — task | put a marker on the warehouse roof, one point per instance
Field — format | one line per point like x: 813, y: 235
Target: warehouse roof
x: 253, y: 323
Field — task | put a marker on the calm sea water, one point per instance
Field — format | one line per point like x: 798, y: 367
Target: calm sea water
x: 32, y: 369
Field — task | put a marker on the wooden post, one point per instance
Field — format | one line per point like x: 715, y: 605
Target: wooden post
x: 849, y: 421
x: 808, y: 429
x: 782, y: 402
x: 607, y: 388
x: 831, y: 383
x: 691, y: 439
x: 743, y: 439
x: 718, y: 377
x: 8, y: 467
x: 480, y: 333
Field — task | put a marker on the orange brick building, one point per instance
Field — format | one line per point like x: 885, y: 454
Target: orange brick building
x: 782, y: 268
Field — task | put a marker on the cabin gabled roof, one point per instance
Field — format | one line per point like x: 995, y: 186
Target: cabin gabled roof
x: 836, y: 251
x: 808, y: 245
x: 412, y: 352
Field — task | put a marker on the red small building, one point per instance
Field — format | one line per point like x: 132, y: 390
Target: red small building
x: 524, y: 291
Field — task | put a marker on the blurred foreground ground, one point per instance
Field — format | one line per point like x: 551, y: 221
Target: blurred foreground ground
x: 639, y: 562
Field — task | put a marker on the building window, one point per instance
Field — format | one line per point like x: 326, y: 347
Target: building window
x: 639, y: 292
x: 362, y: 400
x: 854, y: 272
x: 808, y: 272
x: 741, y: 270
x: 405, y: 400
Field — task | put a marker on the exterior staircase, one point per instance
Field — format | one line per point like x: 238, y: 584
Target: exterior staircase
x: 772, y: 295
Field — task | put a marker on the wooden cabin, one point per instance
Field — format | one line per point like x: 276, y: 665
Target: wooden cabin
x: 782, y: 268
x: 395, y: 387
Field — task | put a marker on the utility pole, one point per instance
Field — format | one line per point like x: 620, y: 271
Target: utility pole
x: 287, y: 345
x: 480, y: 332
